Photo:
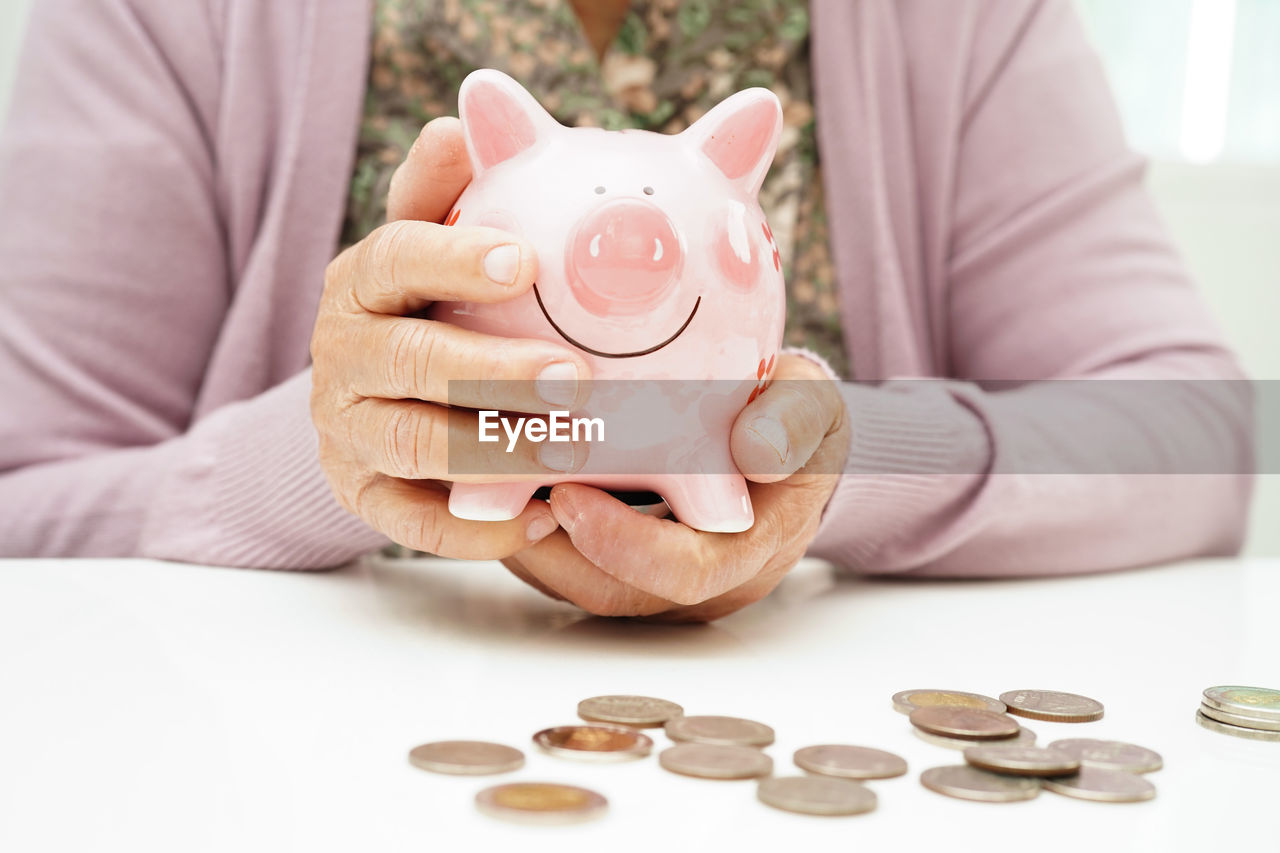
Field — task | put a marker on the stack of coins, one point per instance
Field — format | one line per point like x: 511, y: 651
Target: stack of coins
x: 1002, y: 763
x: 1245, y: 712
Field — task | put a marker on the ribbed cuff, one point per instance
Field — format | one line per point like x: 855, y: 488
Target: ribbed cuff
x: 918, y: 456
x: 249, y: 491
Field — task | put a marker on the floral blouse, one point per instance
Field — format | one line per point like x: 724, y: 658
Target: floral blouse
x: 671, y: 62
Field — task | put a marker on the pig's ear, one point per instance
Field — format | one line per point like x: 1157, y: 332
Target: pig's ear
x: 740, y: 135
x: 499, y: 118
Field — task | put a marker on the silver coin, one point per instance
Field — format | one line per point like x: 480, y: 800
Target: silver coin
x: 1052, y: 705
x: 906, y: 701
x: 850, y: 762
x: 969, y: 783
x: 1102, y: 786
x: 1022, y: 760
x: 466, y: 757
x: 1239, y: 720
x: 1236, y: 731
x: 973, y: 723
x: 541, y: 802
x: 1111, y: 754
x: 644, y: 711
x: 728, y: 731
x: 817, y: 795
x: 1025, y: 737
x: 1258, y: 703
x: 594, y: 742
x: 715, y: 761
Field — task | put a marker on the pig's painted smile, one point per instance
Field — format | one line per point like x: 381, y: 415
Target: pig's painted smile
x: 603, y: 354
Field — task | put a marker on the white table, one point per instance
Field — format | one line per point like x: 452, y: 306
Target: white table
x: 152, y: 706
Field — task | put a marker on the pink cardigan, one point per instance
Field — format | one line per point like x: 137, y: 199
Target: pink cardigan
x: 172, y: 178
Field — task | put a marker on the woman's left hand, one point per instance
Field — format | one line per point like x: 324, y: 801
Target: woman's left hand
x: 613, y: 561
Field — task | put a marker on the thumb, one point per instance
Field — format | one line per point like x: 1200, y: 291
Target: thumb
x: 433, y: 174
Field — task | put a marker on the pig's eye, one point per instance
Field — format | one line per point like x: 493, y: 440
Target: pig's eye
x: 648, y: 190
x: 599, y: 190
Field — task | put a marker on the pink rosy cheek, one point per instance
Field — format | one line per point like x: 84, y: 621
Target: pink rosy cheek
x: 737, y: 255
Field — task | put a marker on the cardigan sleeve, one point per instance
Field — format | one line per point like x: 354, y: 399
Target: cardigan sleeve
x: 114, y: 283
x: 1058, y: 268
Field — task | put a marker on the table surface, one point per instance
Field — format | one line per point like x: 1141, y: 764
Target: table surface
x: 154, y: 706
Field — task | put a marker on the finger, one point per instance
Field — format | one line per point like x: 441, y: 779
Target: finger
x: 778, y: 432
x: 731, y: 602
x: 403, y: 266
x: 416, y: 515
x: 558, y: 566
x: 434, y: 173
x: 657, y: 555
x: 423, y: 441
x: 516, y: 568
x: 411, y: 358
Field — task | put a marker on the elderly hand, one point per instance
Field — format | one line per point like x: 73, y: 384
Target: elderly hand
x: 614, y: 561
x: 379, y: 374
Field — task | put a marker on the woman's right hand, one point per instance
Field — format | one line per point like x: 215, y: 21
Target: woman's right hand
x: 380, y: 376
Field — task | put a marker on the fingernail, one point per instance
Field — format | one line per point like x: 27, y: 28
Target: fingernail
x: 561, y: 502
x: 557, y: 383
x: 771, y: 433
x: 556, y: 455
x: 502, y: 263
x: 541, y: 527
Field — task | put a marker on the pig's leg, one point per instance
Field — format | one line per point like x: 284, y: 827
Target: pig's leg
x: 490, y: 501
x: 716, y: 503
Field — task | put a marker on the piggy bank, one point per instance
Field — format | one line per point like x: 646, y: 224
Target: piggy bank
x: 655, y: 262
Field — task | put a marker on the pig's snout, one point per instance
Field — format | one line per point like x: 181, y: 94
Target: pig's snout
x: 623, y: 258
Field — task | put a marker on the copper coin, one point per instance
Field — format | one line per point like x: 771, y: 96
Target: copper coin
x: 730, y: 731
x: 715, y: 761
x: 1102, y: 786
x: 816, y: 795
x: 1022, y: 760
x: 595, y: 742
x: 466, y: 757
x: 969, y: 783
x: 642, y: 711
x: 906, y: 701
x: 1052, y: 705
x: 1111, y: 754
x: 850, y: 762
x: 964, y: 722
x: 541, y: 802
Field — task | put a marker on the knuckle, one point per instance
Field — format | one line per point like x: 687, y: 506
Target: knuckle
x: 385, y: 249
x: 401, y: 441
x: 411, y: 347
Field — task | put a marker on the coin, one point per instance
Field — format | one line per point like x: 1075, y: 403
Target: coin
x: 1236, y: 731
x: 1256, y: 702
x: 969, y: 783
x: 1239, y: 720
x: 818, y: 795
x: 644, y: 711
x: 466, y: 757
x: 1102, y: 786
x: 1022, y: 760
x: 972, y: 723
x: 1025, y: 737
x: 1052, y: 705
x: 1111, y: 754
x: 541, y: 802
x: 906, y: 701
x: 850, y: 762
x: 596, y: 742
x: 715, y: 761
x: 730, y: 731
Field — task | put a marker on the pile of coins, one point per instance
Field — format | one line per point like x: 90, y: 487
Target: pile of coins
x: 1246, y: 712
x: 1002, y: 763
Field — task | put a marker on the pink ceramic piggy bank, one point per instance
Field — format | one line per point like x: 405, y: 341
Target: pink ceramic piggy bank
x: 655, y: 261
